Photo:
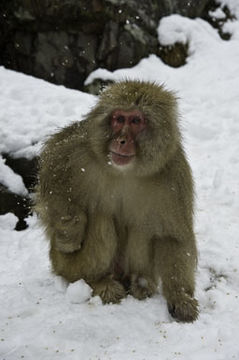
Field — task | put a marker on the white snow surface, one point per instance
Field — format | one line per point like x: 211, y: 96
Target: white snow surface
x: 32, y: 109
x: 10, y: 179
x: 41, y: 317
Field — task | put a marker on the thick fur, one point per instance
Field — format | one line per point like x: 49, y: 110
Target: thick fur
x: 121, y: 228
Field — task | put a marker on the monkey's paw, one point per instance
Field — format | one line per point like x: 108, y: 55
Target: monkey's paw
x: 110, y: 291
x: 69, y: 233
x: 185, y: 310
x: 142, y: 287
x: 67, y: 247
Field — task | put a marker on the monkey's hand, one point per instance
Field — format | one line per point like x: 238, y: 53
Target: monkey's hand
x: 69, y: 233
x: 184, y: 309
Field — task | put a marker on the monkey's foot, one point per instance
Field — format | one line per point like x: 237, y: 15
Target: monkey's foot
x: 142, y: 287
x: 110, y: 291
x: 185, y: 310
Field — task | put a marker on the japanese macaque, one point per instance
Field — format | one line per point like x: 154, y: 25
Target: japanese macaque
x: 116, y: 198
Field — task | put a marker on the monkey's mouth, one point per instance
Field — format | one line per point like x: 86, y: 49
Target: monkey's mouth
x: 121, y: 159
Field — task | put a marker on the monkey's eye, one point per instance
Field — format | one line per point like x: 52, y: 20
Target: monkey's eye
x: 120, y: 119
x: 136, y: 120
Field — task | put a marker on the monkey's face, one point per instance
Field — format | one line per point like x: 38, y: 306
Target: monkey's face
x: 135, y: 125
x: 125, y: 127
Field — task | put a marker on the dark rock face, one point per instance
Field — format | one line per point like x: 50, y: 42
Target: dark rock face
x: 24, y: 167
x: 21, y: 206
x: 62, y: 41
x: 189, y: 8
x: 18, y: 205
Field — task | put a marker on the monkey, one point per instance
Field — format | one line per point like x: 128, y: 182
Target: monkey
x: 116, y: 198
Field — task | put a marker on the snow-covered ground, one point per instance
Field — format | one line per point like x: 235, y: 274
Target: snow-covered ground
x: 41, y: 317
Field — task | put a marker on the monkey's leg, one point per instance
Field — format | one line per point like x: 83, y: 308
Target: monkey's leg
x: 93, y: 262
x: 176, y: 263
x: 140, y: 265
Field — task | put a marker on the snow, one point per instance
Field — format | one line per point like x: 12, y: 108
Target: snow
x: 8, y: 221
x: 11, y: 180
x: 233, y: 6
x: 217, y: 14
x: 32, y: 109
x: 41, y: 317
x: 78, y: 292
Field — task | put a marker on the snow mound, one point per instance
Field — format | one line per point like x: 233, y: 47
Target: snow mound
x: 78, y: 292
x: 8, y: 221
x: 10, y: 179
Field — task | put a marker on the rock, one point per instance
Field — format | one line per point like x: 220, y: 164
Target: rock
x: 174, y: 55
x: 189, y: 8
x: 97, y: 86
x: 63, y: 41
x: 18, y: 205
x: 217, y: 16
x: 59, y: 60
x: 27, y: 168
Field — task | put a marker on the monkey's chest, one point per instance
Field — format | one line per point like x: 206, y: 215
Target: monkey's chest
x: 130, y: 204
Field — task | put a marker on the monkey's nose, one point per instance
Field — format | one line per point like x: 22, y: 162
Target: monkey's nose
x: 122, y: 140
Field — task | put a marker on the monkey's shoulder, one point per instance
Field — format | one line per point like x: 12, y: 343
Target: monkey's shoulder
x: 76, y: 130
x: 176, y: 166
x: 65, y: 141
x: 59, y: 152
x: 175, y: 179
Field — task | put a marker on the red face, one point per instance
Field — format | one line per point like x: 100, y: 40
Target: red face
x: 126, y: 125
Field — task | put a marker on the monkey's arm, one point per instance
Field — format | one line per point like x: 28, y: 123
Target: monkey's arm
x: 65, y: 223
x: 176, y: 263
x: 56, y: 202
x: 176, y: 253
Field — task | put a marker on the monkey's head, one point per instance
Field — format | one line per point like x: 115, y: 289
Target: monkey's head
x: 134, y: 126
